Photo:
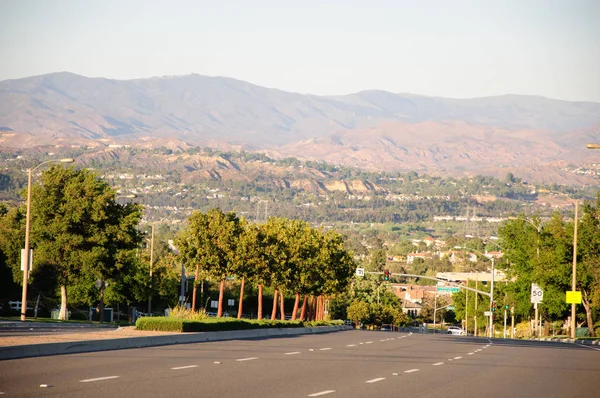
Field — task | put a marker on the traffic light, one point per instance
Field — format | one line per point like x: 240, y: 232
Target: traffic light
x: 506, y: 307
x: 493, y: 306
x: 386, y: 275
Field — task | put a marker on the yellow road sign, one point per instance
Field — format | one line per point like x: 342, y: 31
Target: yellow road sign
x: 573, y: 297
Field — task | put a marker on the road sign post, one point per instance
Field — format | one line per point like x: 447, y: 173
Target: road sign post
x: 537, y: 296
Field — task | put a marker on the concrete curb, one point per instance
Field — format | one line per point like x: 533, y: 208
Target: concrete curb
x: 74, y: 347
x: 574, y: 341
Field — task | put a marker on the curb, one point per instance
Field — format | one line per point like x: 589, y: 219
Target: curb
x: 74, y: 347
x: 573, y: 341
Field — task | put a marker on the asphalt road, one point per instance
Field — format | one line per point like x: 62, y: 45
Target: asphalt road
x: 342, y: 364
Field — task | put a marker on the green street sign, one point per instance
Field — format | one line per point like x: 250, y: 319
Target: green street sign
x: 451, y: 289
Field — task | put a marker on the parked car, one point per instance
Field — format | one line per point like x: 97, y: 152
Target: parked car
x: 386, y: 327
x: 455, y: 330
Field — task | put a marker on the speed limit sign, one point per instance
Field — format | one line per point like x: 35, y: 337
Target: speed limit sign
x: 537, y: 294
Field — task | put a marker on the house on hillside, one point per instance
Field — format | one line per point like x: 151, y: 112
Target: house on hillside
x: 410, y: 257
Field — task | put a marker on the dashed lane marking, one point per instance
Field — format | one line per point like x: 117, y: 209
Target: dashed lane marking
x: 99, y: 379
x: 438, y: 363
x: 351, y: 345
x: 375, y: 380
x: 369, y: 342
x: 292, y: 353
x: 246, y: 359
x: 471, y: 353
x: 318, y: 394
x: 325, y: 349
x: 457, y: 357
x: 185, y: 367
x: 411, y: 370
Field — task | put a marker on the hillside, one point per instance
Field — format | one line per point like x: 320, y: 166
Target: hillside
x: 375, y: 130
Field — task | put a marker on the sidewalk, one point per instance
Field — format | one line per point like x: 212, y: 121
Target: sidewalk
x: 14, y: 347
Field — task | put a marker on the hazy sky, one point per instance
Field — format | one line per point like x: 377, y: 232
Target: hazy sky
x: 450, y: 48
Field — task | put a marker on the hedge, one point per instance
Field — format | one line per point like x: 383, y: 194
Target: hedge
x: 172, y: 324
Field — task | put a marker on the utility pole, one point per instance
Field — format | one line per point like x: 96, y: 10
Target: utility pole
x: 574, y: 281
x: 467, y: 309
x: 476, y: 288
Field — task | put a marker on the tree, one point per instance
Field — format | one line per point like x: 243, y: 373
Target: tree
x: 210, y: 240
x: 79, y: 230
x: 588, y: 264
x: 358, y: 312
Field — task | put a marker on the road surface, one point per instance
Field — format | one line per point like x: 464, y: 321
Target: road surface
x: 342, y: 364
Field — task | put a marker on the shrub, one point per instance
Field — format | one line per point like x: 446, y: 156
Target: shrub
x: 207, y: 324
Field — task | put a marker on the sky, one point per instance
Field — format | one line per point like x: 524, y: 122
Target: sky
x: 446, y: 48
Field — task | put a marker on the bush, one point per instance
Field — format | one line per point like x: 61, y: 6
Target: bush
x: 207, y: 324
x: 160, y: 324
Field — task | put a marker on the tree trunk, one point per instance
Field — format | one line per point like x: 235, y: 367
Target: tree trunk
x: 259, y: 316
x: 241, y: 305
x: 313, y: 307
x: 274, y: 312
x: 303, y: 312
x: 281, y: 307
x: 63, y: 303
x: 295, y: 310
x: 220, y: 308
x: 588, y: 313
x: 195, y: 289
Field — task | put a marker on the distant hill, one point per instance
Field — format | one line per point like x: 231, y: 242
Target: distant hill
x: 376, y: 130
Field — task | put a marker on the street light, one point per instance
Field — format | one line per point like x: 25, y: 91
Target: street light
x: 27, y: 227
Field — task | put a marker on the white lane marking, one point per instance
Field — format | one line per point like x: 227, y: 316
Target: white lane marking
x: 382, y: 340
x: 369, y: 342
x: 479, y: 350
x: 471, y: 353
x: 292, y: 353
x: 360, y: 343
x: 375, y: 380
x: 411, y: 370
x: 451, y: 359
x: 351, y: 345
x: 393, y: 338
x: 99, y: 379
x: 325, y: 349
x: 457, y: 357
x: 317, y: 394
x: 246, y: 359
x: 185, y: 367
x: 438, y: 363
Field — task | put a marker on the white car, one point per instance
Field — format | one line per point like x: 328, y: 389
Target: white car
x: 455, y: 330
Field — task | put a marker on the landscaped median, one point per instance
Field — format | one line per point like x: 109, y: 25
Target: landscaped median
x: 173, y: 324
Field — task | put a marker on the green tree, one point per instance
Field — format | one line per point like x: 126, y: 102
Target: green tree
x: 79, y: 229
x: 358, y: 312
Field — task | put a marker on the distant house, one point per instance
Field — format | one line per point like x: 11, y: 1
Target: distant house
x: 429, y: 241
x: 410, y: 258
x: 455, y: 256
x: 491, y: 255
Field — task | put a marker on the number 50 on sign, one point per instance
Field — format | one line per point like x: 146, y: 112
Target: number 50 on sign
x: 537, y: 294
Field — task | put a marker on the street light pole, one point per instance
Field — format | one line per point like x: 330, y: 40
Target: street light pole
x: 492, y: 300
x: 26, y: 257
x: 151, y: 263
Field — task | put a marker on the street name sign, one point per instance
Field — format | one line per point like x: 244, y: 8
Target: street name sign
x: 537, y: 294
x: 451, y: 289
x: 487, y: 313
x: 573, y: 297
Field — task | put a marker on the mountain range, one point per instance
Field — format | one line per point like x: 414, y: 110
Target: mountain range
x: 533, y: 137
